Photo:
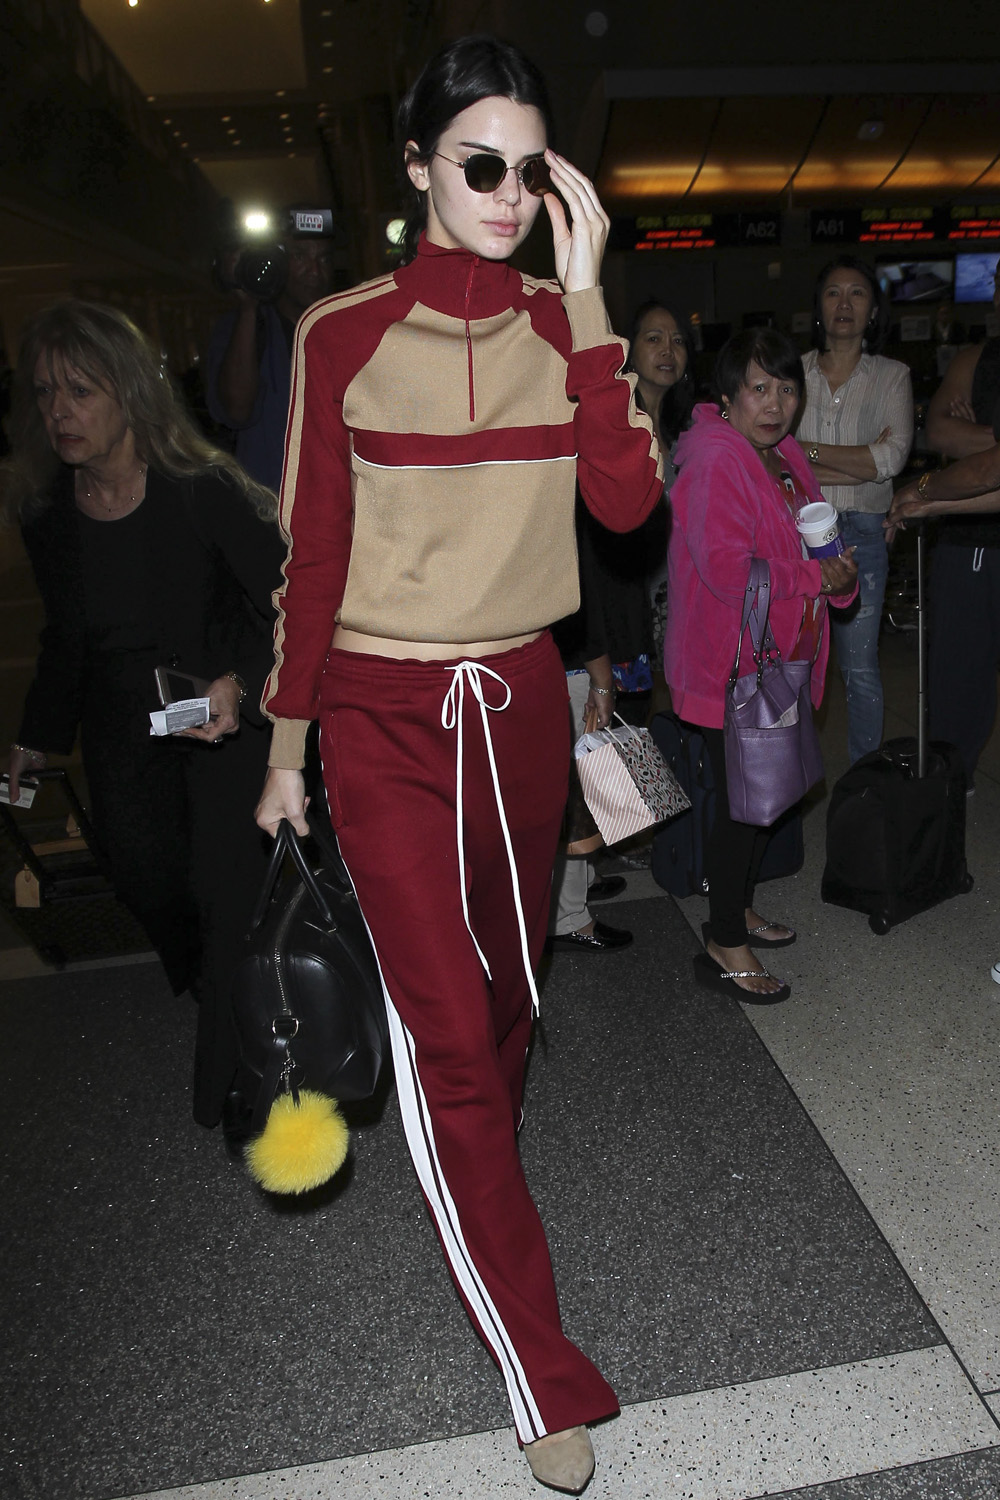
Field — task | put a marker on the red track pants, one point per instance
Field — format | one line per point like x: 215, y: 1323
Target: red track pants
x: 460, y: 1037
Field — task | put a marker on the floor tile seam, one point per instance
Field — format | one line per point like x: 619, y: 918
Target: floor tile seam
x: 797, y: 1372
x: 914, y: 1467
x: 9, y: 956
x: 851, y: 1186
x: 647, y: 1406
x: 894, y: 1254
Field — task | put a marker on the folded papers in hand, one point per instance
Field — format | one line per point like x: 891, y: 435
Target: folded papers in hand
x: 186, y: 713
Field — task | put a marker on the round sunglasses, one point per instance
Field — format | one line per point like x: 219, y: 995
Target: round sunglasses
x: 484, y: 172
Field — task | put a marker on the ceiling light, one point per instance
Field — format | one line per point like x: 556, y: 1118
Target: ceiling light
x: 284, y: 115
x: 870, y: 130
x: 279, y: 93
x: 226, y: 119
x: 132, y: 4
x: 596, y: 23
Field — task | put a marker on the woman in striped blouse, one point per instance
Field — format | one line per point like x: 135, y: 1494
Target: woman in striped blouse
x: 856, y: 428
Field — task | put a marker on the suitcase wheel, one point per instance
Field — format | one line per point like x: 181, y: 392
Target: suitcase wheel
x: 879, y: 924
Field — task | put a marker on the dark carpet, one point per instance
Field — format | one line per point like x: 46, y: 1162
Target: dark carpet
x: 167, y: 1324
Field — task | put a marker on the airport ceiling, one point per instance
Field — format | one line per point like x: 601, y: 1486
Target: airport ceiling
x: 280, y: 99
x: 257, y: 80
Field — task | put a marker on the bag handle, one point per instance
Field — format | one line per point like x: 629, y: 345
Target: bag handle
x: 756, y: 615
x: 633, y: 733
x: 287, y: 841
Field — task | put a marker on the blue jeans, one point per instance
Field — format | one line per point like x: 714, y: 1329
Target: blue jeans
x: 856, y: 637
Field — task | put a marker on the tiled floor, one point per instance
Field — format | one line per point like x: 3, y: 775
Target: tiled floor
x: 892, y: 1047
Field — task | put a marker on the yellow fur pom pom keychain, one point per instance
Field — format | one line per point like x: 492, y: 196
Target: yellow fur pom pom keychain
x: 302, y: 1145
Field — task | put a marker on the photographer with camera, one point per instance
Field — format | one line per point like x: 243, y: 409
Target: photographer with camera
x: 250, y: 351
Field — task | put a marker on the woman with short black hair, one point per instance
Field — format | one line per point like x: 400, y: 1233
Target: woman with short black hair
x: 741, y: 480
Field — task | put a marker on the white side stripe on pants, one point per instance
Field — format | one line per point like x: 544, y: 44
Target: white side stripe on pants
x: 419, y: 1130
x: 420, y: 1139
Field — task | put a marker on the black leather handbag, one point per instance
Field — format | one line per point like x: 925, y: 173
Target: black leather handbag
x: 307, y: 995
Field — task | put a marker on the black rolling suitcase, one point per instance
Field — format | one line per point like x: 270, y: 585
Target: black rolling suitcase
x: 895, y: 827
x: 679, y: 846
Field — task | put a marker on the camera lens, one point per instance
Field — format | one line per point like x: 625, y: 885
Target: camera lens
x: 262, y: 271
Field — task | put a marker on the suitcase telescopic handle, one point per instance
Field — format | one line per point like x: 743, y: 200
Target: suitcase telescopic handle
x: 921, y: 657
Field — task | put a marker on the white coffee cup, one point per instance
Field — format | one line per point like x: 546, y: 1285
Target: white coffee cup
x: 819, y: 527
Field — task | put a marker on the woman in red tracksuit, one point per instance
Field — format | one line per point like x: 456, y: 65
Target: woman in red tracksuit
x: 441, y: 417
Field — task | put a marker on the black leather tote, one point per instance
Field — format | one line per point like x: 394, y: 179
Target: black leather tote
x: 307, y: 995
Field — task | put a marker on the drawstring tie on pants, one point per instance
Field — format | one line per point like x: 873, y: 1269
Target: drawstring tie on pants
x: 452, y: 718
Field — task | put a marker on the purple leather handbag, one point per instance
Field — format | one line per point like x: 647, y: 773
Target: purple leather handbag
x: 772, y: 748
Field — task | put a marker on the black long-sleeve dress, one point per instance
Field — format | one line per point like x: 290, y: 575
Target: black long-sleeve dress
x: 185, y: 580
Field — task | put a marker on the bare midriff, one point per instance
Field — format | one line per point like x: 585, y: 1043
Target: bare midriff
x: 378, y: 645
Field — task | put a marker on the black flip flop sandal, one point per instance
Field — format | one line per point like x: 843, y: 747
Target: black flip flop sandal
x: 755, y: 942
x: 759, y: 942
x: 712, y: 976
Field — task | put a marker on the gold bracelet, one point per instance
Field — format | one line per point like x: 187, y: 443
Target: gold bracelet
x: 235, y: 677
x: 922, y: 484
x: 25, y: 750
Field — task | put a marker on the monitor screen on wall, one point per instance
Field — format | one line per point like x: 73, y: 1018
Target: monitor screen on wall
x: 974, y: 272
x: 916, y: 280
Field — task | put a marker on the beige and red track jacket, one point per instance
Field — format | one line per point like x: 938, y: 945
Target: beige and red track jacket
x: 441, y: 417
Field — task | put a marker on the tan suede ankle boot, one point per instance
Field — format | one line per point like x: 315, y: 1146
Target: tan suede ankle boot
x: 562, y: 1460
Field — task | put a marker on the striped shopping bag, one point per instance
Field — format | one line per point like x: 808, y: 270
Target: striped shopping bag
x: 626, y: 782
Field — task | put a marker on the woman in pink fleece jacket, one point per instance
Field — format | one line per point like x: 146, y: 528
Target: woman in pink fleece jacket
x: 741, y: 480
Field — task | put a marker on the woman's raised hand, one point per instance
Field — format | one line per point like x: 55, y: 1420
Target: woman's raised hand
x: 579, y: 247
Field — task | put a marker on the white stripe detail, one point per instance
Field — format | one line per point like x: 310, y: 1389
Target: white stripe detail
x: 612, y: 798
x: 452, y: 714
x: 485, y: 463
x: 419, y: 1131
x: 418, y: 1128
